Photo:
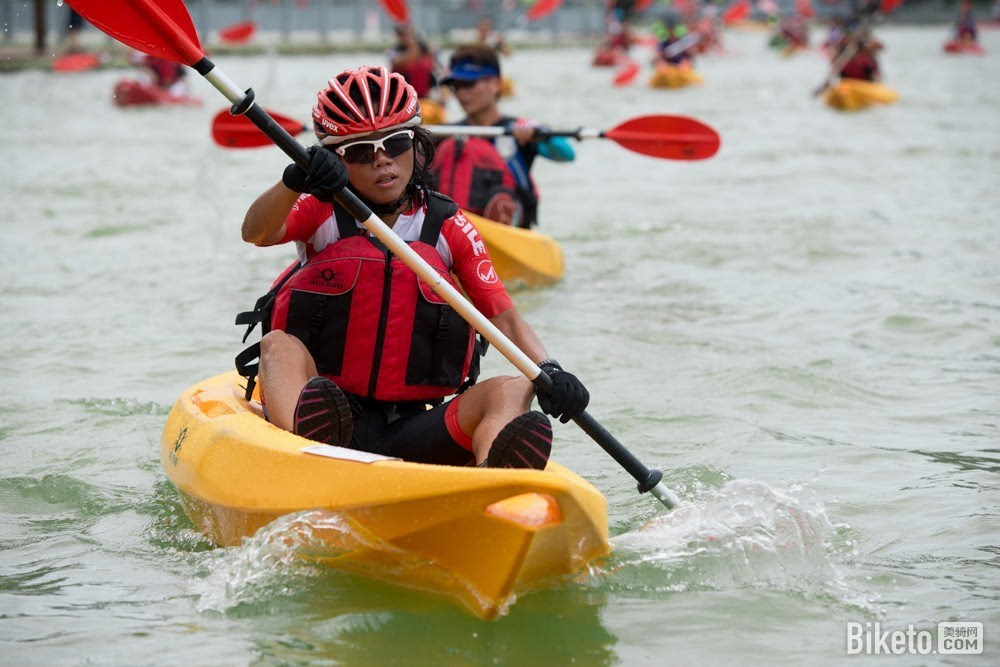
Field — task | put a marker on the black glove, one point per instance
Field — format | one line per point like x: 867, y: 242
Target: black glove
x: 325, y: 176
x: 568, y: 398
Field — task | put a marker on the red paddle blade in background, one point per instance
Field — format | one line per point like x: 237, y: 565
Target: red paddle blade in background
x: 397, y: 9
x: 670, y: 137
x: 238, y: 33
x: 736, y: 12
x: 541, y: 9
x: 76, y: 62
x: 804, y: 8
x: 627, y: 73
x: 232, y: 131
x: 161, y: 28
x: 641, y: 5
x: 888, y: 6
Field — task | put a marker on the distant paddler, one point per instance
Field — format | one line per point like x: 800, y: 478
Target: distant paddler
x: 417, y: 62
x: 491, y: 176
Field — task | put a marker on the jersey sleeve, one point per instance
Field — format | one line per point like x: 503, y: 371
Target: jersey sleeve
x: 473, y: 267
x: 307, y: 214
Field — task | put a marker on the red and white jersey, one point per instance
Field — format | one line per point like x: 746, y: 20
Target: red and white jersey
x: 311, y: 224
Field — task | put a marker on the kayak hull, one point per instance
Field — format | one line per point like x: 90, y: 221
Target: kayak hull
x: 480, y: 536
x: 856, y: 94
x: 131, y: 93
x: 520, y: 256
x: 964, y: 46
x: 670, y: 76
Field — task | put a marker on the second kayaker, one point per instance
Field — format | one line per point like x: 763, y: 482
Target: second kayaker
x: 359, y: 346
x: 492, y: 176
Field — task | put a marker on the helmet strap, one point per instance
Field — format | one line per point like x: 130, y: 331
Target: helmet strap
x: 390, y: 208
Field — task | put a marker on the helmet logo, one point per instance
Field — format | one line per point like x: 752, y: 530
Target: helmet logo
x: 328, y: 125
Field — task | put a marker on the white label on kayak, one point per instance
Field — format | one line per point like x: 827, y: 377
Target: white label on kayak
x: 332, y: 452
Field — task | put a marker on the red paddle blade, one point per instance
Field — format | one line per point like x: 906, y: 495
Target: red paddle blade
x: 541, y: 9
x: 231, y: 131
x: 161, y: 28
x: 397, y: 9
x: 804, y: 8
x: 238, y: 33
x: 76, y: 62
x: 641, y: 5
x: 736, y: 12
x: 627, y: 73
x: 669, y: 137
x: 889, y: 6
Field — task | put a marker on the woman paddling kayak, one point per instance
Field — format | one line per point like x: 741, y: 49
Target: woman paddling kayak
x: 358, y: 346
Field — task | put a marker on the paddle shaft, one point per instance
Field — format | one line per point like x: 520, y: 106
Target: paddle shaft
x: 243, y: 103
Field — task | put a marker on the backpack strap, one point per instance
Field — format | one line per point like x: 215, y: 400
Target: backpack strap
x: 439, y: 209
x: 248, y: 361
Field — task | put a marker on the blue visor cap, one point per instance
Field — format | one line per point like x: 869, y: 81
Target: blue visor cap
x: 469, y: 71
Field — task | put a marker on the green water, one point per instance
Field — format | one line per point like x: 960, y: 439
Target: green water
x: 803, y: 332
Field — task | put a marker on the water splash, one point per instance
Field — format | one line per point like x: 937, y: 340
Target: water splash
x: 267, y: 565
x: 744, y: 535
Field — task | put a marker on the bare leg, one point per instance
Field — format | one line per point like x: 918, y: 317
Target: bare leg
x: 488, y: 406
x: 285, y: 367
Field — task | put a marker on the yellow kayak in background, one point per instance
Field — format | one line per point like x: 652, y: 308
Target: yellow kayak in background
x: 520, y: 256
x: 856, y: 94
x: 479, y: 535
x: 670, y: 76
x: 432, y: 112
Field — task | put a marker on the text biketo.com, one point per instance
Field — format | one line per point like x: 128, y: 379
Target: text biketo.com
x: 954, y: 638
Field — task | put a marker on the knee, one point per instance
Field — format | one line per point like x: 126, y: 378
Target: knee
x: 511, y: 390
x: 278, y: 347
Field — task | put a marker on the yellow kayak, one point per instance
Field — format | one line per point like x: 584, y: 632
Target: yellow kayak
x: 432, y: 112
x: 520, y: 256
x: 506, y: 87
x: 856, y: 94
x: 670, y: 76
x: 482, y: 536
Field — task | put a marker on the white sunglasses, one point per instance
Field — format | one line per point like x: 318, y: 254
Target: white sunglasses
x: 364, y: 151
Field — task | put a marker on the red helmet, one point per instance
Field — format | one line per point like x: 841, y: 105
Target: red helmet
x: 362, y: 101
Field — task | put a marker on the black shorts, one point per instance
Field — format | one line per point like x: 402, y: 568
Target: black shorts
x: 421, y: 436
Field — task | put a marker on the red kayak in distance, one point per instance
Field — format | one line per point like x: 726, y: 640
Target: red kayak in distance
x: 238, y: 33
x: 132, y: 93
x: 76, y: 62
x: 960, y: 46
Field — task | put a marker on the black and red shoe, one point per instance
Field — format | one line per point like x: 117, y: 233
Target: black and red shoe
x: 323, y: 413
x: 525, y: 442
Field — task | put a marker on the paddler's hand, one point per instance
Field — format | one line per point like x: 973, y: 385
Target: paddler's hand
x: 325, y: 176
x: 569, y: 397
x: 525, y: 130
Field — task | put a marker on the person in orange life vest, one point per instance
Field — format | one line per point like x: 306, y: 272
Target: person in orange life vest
x: 965, y: 26
x: 358, y: 345
x: 415, y: 61
x: 474, y: 76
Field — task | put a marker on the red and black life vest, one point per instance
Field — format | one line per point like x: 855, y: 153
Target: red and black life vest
x: 472, y: 172
x: 370, y: 324
x: 861, y: 66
